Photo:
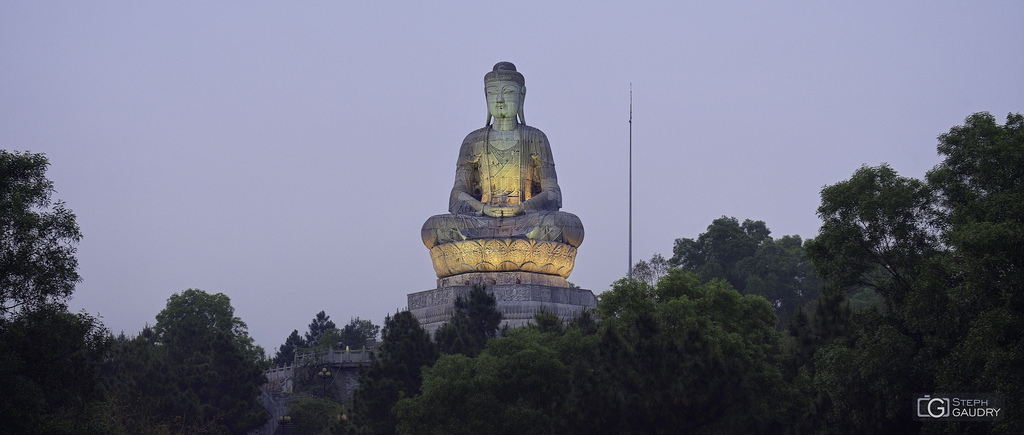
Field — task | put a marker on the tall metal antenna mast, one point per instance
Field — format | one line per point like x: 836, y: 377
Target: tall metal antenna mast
x: 631, y: 183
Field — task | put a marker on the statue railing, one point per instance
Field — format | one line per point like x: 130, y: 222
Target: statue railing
x: 277, y: 373
x: 334, y: 356
x: 279, y: 378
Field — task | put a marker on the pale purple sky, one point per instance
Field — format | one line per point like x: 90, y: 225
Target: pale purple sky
x: 286, y: 153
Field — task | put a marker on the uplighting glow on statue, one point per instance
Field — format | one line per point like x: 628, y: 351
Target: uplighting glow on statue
x: 505, y: 182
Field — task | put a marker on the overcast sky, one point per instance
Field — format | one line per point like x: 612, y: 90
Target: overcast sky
x: 287, y: 153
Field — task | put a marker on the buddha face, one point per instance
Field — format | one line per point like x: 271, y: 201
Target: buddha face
x: 503, y: 98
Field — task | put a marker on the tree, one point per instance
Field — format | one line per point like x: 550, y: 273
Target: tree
x: 679, y: 357
x: 546, y: 321
x: 517, y: 385
x: 329, y: 339
x: 136, y: 383
x: 38, y: 237
x: 48, y: 360
x: 194, y: 314
x: 876, y: 234
x: 475, y: 321
x: 357, y: 332
x: 47, y: 355
x: 651, y: 271
x: 314, y: 415
x: 714, y: 253
x: 980, y: 186
x: 780, y: 271
x: 540, y: 379
x: 286, y: 353
x: 394, y: 374
x: 945, y: 255
x: 687, y: 356
x: 197, y: 368
x: 752, y: 262
x: 320, y: 323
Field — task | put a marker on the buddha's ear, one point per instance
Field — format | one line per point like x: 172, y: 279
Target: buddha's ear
x: 522, y: 103
x: 488, y: 122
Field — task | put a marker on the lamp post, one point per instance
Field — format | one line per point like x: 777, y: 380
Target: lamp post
x: 324, y: 375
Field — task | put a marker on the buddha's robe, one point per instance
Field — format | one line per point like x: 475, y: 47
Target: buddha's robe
x: 505, y: 173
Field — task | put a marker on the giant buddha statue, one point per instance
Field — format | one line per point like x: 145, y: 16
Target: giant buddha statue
x: 504, y: 207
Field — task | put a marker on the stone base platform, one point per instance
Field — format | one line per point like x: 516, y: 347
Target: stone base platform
x: 518, y: 295
x: 501, y: 278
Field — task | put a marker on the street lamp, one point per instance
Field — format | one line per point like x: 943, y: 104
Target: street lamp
x: 324, y: 375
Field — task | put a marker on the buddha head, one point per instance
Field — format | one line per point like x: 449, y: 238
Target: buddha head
x: 505, y: 89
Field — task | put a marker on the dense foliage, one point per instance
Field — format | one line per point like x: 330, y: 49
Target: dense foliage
x: 48, y: 356
x: 38, y: 237
x: 676, y: 358
x: 748, y: 258
x: 286, y: 353
x: 322, y: 334
x: 947, y: 256
x: 196, y: 370
x: 48, y: 375
x: 475, y: 321
x: 320, y: 324
x: 395, y: 374
x: 313, y: 415
x: 356, y: 333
